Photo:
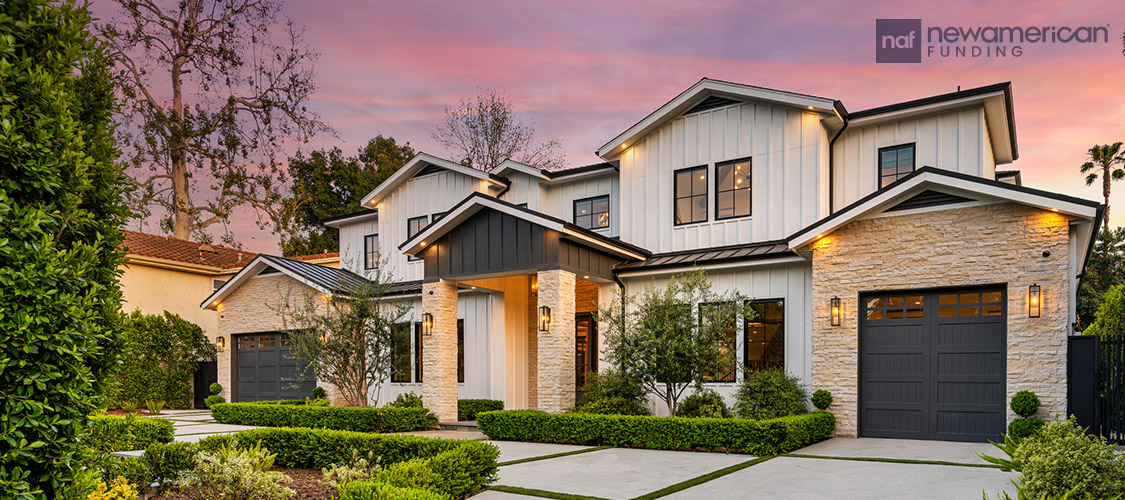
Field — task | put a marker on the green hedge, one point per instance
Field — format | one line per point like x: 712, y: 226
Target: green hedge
x: 328, y: 417
x: 284, y: 402
x: 452, y: 467
x: 118, y: 433
x: 364, y: 490
x: 756, y: 437
x: 467, y: 409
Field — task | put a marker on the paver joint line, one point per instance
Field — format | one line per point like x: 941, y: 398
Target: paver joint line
x: 542, y: 493
x: 701, y: 479
x: 554, y: 455
x: 894, y: 461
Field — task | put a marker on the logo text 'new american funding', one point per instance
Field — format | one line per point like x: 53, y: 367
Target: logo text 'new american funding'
x: 905, y: 40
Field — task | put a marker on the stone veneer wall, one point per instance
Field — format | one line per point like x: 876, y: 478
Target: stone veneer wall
x: 533, y: 350
x: 555, y: 348
x: 991, y: 244
x: 439, y: 350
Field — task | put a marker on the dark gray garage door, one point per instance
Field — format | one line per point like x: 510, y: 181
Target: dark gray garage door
x: 265, y: 370
x: 932, y: 364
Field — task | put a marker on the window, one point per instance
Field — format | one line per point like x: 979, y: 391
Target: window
x: 765, y: 336
x: 895, y: 163
x: 438, y: 215
x: 460, y: 351
x: 732, y: 189
x: 414, y: 225
x: 592, y: 213
x: 951, y: 305
x: 217, y: 284
x: 900, y: 307
x: 522, y: 205
x: 400, y: 353
x: 691, y: 195
x: 418, y: 352
x: 728, y: 343
x: 371, y: 251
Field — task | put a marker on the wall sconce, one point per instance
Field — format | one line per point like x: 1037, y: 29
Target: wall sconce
x: 220, y: 343
x: 323, y: 338
x: 835, y: 304
x: 544, y: 318
x: 1034, y: 299
x: 427, y: 324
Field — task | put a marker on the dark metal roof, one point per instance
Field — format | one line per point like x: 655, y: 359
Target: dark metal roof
x: 711, y: 255
x: 1007, y: 173
x: 554, y: 174
x: 339, y: 281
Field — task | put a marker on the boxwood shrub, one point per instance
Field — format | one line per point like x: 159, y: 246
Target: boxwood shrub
x: 756, y: 437
x: 467, y: 409
x: 329, y: 417
x: 365, y: 490
x: 124, y: 433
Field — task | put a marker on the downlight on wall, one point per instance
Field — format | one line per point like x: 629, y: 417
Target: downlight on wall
x: 834, y: 304
x: 427, y: 324
x: 1034, y: 301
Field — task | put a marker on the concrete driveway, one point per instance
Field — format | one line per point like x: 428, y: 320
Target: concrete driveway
x: 839, y: 469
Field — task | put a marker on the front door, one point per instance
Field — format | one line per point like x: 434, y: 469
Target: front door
x: 585, y: 350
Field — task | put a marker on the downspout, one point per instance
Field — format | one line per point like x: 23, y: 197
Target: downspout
x: 843, y: 113
x: 621, y: 286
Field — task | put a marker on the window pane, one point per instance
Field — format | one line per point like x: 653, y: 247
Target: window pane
x: 600, y: 205
x: 913, y: 313
x: 582, y: 208
x: 742, y: 202
x: 699, y: 181
x: 724, y: 205
x: 765, y: 336
x: 947, y: 299
x: 970, y: 298
x: 906, y: 157
x: 699, y: 208
x: 914, y: 301
x: 460, y: 351
x: 683, y: 184
x: 874, y: 302
x: 991, y: 310
x: 723, y: 177
x: 683, y: 210
x: 418, y: 351
x: 602, y: 220
x: 947, y: 312
x: 969, y: 311
x: 894, y: 314
x: 992, y: 297
x: 874, y: 314
x: 894, y: 301
x: 584, y: 221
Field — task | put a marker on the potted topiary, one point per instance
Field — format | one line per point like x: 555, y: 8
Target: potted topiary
x: 1024, y: 404
x: 821, y: 399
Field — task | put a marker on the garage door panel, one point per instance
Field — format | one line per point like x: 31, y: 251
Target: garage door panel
x: 963, y: 363
x: 266, y: 369
x: 970, y: 393
x: 967, y: 426
x: 905, y: 422
x: 971, y: 335
x: 895, y: 336
x: 899, y: 393
x: 894, y: 364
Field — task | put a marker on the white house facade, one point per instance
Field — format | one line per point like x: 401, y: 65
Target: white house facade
x: 888, y: 258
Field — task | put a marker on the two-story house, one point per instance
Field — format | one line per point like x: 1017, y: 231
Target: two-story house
x: 889, y: 261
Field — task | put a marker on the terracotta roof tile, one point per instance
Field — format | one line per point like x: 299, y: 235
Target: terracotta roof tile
x: 175, y: 249
x: 315, y: 256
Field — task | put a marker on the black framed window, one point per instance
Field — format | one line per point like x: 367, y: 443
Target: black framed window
x: 438, y: 215
x: 895, y: 163
x: 732, y: 189
x: 765, y: 336
x: 728, y: 345
x: 371, y: 251
x: 400, y: 353
x: 592, y: 213
x: 461, y: 351
x: 691, y: 195
x: 414, y: 226
x: 418, y: 352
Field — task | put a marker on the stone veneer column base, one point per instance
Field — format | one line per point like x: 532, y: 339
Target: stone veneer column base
x: 555, y: 348
x: 439, y: 350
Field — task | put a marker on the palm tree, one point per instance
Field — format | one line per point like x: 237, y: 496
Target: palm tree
x: 1101, y: 162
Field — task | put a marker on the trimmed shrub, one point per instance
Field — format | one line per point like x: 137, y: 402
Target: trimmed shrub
x: 822, y: 399
x: 704, y: 404
x: 1062, y: 457
x: 132, y: 469
x: 755, y: 437
x: 467, y: 409
x: 1025, y: 403
x: 213, y: 400
x: 769, y: 394
x: 216, y: 388
x: 612, y: 406
x: 111, y: 433
x: 166, y: 461
x: 319, y: 393
x: 328, y: 417
x: 406, y: 400
x: 237, y: 473
x: 160, y: 357
x: 1022, y: 428
x: 362, y: 490
x: 612, y: 384
x: 284, y: 402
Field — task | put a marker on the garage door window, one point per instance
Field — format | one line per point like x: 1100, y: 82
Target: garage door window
x: 905, y: 306
x: 952, y: 305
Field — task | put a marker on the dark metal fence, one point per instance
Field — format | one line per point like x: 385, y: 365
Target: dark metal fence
x: 1096, y: 385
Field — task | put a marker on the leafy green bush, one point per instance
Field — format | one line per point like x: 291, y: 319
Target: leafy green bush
x: 167, y: 461
x: 233, y: 473
x: 110, y: 433
x: 213, y: 400
x: 329, y: 417
x: 356, y: 469
x: 1110, y: 318
x: 129, y: 406
x: 134, y: 470
x: 706, y: 403
x: 822, y: 399
x: 1022, y: 428
x: 361, y: 490
x: 612, y: 406
x: 405, y: 400
x: 216, y: 388
x: 755, y: 437
x: 771, y: 393
x: 467, y: 409
x: 161, y: 355
x: 319, y: 393
x: 1062, y: 457
x: 284, y: 402
x: 154, y: 407
x: 612, y: 384
x: 1025, y: 403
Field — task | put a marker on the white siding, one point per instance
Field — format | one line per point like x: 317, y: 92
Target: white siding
x: 789, y: 158
x: 559, y: 199
x: 956, y: 140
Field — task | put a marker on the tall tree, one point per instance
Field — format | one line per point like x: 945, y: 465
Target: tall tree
x: 62, y: 208
x: 210, y: 97
x: 1104, y: 161
x: 484, y: 131
x: 1104, y: 270
x: 325, y: 183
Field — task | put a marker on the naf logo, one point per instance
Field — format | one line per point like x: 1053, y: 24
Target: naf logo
x: 898, y: 40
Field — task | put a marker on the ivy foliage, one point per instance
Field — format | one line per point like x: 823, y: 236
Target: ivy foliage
x: 161, y: 354
x: 61, y: 207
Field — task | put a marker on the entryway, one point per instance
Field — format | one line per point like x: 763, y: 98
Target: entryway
x: 585, y: 350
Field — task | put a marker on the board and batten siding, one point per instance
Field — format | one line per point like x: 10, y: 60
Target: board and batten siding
x: 955, y: 140
x: 559, y: 199
x: 792, y: 283
x: 789, y: 151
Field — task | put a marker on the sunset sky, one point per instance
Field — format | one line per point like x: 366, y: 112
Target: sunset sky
x: 585, y: 71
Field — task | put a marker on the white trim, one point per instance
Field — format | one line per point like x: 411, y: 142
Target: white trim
x: 415, y: 165
x: 510, y: 164
x: 575, y: 235
x: 790, y: 259
x: 934, y: 208
x: 252, y: 270
x: 581, y: 176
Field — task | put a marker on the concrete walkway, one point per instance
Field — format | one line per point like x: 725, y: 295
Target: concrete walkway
x: 192, y: 425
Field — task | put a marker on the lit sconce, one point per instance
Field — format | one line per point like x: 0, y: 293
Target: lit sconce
x: 323, y: 338
x: 220, y: 343
x: 1034, y: 299
x: 544, y: 318
x: 835, y: 303
x: 427, y: 324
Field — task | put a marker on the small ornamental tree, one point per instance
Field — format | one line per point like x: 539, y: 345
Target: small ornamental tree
x: 671, y: 337
x: 346, y: 337
x: 162, y: 353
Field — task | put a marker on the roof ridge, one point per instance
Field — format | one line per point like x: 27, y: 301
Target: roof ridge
x: 173, y: 238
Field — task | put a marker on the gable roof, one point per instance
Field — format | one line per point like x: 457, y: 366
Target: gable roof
x: 478, y: 201
x: 700, y: 92
x: 184, y: 251
x: 417, y: 164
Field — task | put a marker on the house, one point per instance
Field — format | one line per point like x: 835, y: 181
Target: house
x: 889, y: 260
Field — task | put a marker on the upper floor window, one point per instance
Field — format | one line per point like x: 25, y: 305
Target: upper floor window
x: 732, y: 189
x: 592, y: 213
x: 414, y: 225
x: 691, y: 195
x: 439, y: 215
x: 371, y: 251
x: 895, y: 163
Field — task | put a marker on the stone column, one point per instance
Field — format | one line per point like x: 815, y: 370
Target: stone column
x: 555, y: 373
x: 439, y: 350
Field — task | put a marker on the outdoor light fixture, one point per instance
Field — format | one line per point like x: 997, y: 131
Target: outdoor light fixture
x: 835, y: 303
x: 427, y: 324
x: 544, y: 318
x: 1034, y: 298
x: 220, y: 343
x: 323, y: 338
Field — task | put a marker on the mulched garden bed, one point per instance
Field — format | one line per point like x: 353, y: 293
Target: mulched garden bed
x: 306, y: 482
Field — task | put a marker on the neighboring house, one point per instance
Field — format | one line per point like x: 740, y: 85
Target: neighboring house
x: 888, y: 259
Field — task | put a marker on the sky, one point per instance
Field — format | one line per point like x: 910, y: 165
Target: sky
x: 585, y: 71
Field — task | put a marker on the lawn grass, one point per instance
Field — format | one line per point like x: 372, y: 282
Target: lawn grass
x: 894, y: 461
x: 542, y: 493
